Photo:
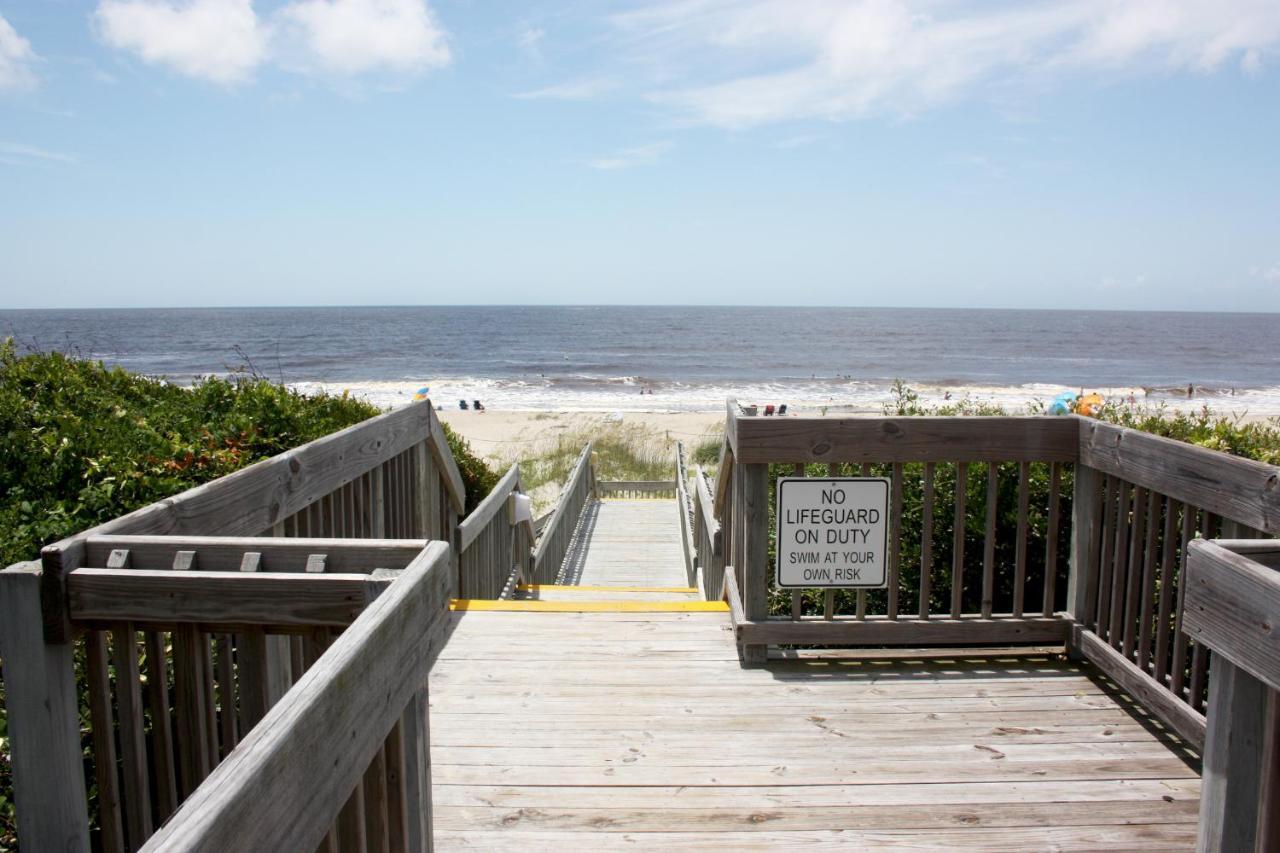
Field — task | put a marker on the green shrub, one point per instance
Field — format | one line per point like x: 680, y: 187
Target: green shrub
x: 82, y: 443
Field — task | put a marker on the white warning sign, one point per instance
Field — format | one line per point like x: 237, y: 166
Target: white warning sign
x: 833, y: 532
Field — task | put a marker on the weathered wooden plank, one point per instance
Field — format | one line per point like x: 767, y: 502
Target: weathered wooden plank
x: 1086, y: 532
x: 1183, y: 719
x: 895, y: 541
x: 958, y: 539
x: 102, y: 726
x: 1239, y: 489
x: 194, y: 760
x: 1053, y: 524
x: 43, y: 720
x: 446, y: 466
x: 285, y: 783
x: 1229, y: 796
x: 905, y: 630
x: 164, y: 769
x: 989, y: 539
x: 755, y: 514
x: 905, y: 439
x: 228, y: 554
x: 926, y: 540
x: 247, y: 502
x: 479, y: 519
x: 133, y: 742
x: 1232, y: 605
x: 267, y: 598
x: 1020, y: 542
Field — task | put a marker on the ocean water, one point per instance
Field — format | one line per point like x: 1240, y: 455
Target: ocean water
x: 610, y: 358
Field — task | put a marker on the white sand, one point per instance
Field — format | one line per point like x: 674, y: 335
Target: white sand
x: 506, y: 435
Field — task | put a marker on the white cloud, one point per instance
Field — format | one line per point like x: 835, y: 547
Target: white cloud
x: 574, y: 90
x: 356, y: 36
x: 640, y: 155
x: 530, y: 41
x: 16, y: 154
x: 1269, y: 274
x: 226, y: 41
x: 218, y: 40
x: 16, y: 59
x: 829, y: 59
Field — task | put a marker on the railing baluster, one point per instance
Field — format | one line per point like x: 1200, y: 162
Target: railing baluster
x: 989, y: 540
x: 958, y: 539
x: 1054, y: 524
x: 104, y: 743
x: 1020, y: 545
x: 926, y: 540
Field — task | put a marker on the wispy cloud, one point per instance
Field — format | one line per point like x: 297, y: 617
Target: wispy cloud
x: 573, y: 90
x: 226, y: 41
x: 17, y: 59
x: 640, y: 155
x: 16, y: 154
x: 530, y: 41
x: 837, y: 60
x: 1269, y: 274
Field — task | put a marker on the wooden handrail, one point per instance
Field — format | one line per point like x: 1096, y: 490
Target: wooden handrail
x: 1242, y: 490
x: 1233, y: 608
x: 473, y: 524
x: 248, y: 502
x: 285, y: 783
x: 554, y: 538
x: 685, y: 509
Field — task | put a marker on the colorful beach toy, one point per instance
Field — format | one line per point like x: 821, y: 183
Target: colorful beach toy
x: 1063, y: 404
x: 421, y: 393
x: 1089, y: 405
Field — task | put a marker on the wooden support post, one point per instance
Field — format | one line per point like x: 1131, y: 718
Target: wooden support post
x: 1233, y: 749
x: 1082, y: 576
x: 44, y: 723
x: 755, y: 517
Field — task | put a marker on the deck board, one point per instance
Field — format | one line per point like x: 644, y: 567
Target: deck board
x: 628, y: 543
x: 640, y: 730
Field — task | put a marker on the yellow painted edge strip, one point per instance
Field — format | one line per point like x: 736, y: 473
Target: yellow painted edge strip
x: 567, y: 588
x: 590, y: 606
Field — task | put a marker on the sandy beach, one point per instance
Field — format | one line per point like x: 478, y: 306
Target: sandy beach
x: 506, y: 434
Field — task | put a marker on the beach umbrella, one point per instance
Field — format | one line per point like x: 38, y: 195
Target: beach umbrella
x: 1063, y: 403
x: 421, y: 393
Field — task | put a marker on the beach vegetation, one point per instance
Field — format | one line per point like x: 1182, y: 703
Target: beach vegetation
x: 83, y: 443
x: 624, y: 451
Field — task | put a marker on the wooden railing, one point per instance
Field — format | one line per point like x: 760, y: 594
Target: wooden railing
x: 684, y: 508
x: 555, y: 538
x: 392, y: 477
x: 1067, y: 532
x: 494, y: 549
x: 294, y: 783
x: 708, y: 547
x: 1232, y: 598
x: 636, y: 489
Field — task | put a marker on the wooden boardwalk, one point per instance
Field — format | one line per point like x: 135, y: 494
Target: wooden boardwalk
x: 640, y: 730
x: 634, y: 543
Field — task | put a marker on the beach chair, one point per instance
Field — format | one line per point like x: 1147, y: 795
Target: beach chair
x: 768, y: 410
x: 782, y: 410
x: 462, y: 404
x: 475, y: 404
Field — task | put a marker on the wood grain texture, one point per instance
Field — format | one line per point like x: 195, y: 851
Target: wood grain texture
x: 1239, y: 489
x: 226, y: 598
x: 906, y: 439
x: 231, y: 554
x: 285, y: 784
x: 247, y: 502
x: 1232, y: 605
x: 43, y: 720
x: 906, y: 630
x: 1230, y: 792
x: 1153, y: 695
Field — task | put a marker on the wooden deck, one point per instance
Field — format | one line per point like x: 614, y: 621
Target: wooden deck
x: 633, y: 543
x: 601, y: 731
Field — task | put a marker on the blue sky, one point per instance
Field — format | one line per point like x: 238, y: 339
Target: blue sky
x: 1071, y: 154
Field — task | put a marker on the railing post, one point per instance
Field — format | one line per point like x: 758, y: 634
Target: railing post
x: 44, y: 721
x: 1233, y: 749
x: 417, y: 771
x: 1082, y: 578
x: 755, y: 527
